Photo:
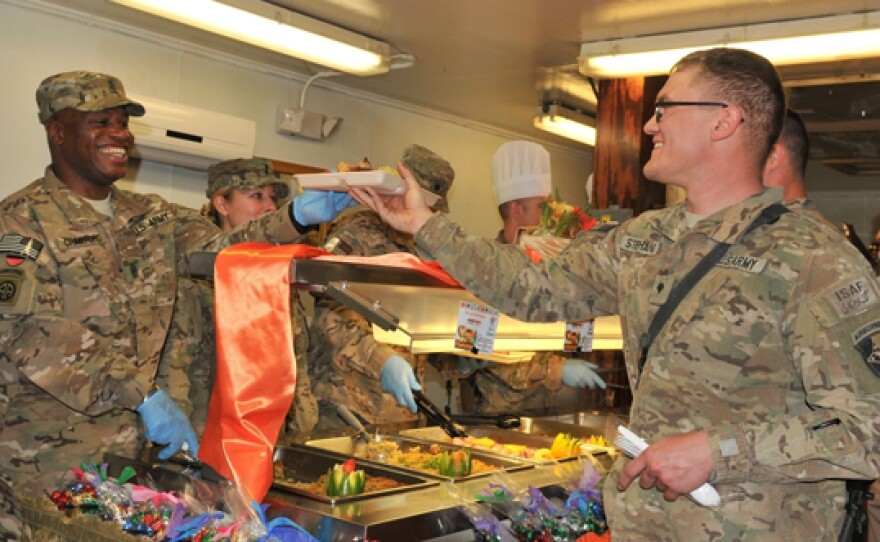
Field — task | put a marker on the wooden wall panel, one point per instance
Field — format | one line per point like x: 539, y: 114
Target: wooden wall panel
x: 622, y: 147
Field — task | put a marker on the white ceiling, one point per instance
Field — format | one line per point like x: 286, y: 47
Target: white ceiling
x: 484, y: 60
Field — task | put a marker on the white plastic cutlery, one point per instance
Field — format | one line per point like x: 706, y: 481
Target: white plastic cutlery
x: 632, y: 445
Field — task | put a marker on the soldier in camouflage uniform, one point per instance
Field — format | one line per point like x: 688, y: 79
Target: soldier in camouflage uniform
x: 763, y: 382
x: 521, y: 182
x: 238, y: 191
x: 88, y: 283
x: 345, y: 361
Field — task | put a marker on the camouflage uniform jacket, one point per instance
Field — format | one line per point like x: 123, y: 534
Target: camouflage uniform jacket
x: 770, y: 354
x: 85, y: 314
x: 345, y: 360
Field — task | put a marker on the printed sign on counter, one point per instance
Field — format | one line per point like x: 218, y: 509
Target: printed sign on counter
x: 579, y: 336
x: 476, y: 328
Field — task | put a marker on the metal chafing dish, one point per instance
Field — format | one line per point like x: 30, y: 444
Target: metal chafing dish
x: 514, y: 437
x: 305, y: 464
x: 578, y: 424
x: 355, y: 446
x: 501, y: 436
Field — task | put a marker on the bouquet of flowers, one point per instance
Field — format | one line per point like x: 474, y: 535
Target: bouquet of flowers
x: 560, y: 219
x: 560, y: 222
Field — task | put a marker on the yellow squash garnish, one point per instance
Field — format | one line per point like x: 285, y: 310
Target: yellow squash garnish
x: 564, y: 445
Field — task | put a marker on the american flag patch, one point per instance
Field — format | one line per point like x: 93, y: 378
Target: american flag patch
x: 21, y: 246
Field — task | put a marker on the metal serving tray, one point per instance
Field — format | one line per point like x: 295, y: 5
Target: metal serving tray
x: 579, y: 424
x: 307, y: 464
x: 502, y: 436
x: 355, y: 446
x: 511, y: 436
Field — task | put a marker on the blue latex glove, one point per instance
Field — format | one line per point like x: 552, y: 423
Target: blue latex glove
x: 398, y: 379
x: 577, y: 373
x: 316, y: 206
x: 167, y: 424
x: 466, y: 364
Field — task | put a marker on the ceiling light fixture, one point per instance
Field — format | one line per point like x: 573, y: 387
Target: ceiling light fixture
x: 566, y: 122
x: 819, y: 39
x: 276, y: 29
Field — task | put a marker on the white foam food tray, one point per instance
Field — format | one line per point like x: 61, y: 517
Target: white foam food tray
x: 380, y: 181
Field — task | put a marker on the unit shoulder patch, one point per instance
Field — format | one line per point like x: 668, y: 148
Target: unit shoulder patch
x: 10, y: 287
x: 867, y: 342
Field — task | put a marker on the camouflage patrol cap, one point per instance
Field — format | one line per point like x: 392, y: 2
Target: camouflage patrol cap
x: 83, y: 91
x: 244, y: 174
x: 433, y: 173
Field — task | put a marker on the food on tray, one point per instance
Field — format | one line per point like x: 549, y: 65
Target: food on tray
x: 456, y: 463
x: 363, y: 165
x: 513, y: 450
x: 345, y: 480
x: 321, y: 486
x: 596, y: 444
x: 430, y: 460
x: 564, y: 446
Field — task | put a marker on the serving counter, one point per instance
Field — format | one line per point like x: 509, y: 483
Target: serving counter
x: 427, y: 507
x: 418, y: 310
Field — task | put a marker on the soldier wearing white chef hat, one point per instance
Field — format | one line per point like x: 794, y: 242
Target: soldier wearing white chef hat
x: 521, y: 182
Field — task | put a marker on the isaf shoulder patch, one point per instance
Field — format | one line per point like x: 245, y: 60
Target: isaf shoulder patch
x: 852, y: 296
x: 867, y: 342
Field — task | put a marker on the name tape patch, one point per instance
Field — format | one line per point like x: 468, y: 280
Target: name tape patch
x: 151, y: 222
x: 639, y: 246
x: 743, y: 263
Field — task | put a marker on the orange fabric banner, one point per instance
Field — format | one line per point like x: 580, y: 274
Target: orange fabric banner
x: 256, y: 369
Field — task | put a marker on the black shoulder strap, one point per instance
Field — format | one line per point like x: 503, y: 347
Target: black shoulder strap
x: 769, y: 215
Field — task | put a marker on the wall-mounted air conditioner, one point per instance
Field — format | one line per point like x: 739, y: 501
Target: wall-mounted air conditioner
x: 181, y: 135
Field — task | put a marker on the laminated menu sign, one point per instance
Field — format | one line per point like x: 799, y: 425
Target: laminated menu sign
x: 476, y: 328
x: 579, y: 336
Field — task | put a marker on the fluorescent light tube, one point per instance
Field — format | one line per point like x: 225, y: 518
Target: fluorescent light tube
x: 276, y: 29
x: 820, y: 39
x: 566, y: 123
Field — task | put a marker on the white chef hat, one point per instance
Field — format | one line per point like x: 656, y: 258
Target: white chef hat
x: 520, y: 169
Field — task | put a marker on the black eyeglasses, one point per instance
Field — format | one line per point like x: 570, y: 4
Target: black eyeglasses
x: 659, y: 106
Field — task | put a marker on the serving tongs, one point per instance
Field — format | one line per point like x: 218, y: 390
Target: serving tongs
x: 349, y: 417
x: 193, y: 465
x: 437, y: 416
x: 503, y: 421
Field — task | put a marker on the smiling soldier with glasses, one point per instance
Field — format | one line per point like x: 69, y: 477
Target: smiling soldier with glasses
x: 760, y: 381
